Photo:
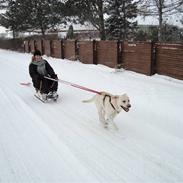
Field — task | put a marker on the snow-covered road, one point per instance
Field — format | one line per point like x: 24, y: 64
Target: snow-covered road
x: 64, y: 142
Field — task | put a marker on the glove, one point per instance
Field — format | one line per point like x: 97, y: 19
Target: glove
x: 54, y: 76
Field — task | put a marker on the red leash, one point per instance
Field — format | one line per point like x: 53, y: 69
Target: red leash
x: 74, y: 85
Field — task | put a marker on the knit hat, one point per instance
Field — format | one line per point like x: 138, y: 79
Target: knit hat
x: 37, y: 52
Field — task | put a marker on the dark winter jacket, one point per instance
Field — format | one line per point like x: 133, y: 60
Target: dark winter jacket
x: 37, y: 71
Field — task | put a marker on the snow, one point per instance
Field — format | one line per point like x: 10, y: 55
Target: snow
x: 64, y: 141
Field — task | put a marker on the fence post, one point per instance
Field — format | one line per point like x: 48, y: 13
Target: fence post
x: 51, y: 49
x: 120, y: 46
x: 76, y: 49
x: 153, y: 58
x: 35, y: 46
x: 24, y: 42
x: 42, y: 47
x: 26, y: 46
x: 62, y: 49
x: 121, y: 54
x: 94, y: 52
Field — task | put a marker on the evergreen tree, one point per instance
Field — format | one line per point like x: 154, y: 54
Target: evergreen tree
x: 89, y: 10
x: 70, y: 33
x: 45, y: 14
x: 14, y: 19
x: 120, y: 24
x: 153, y: 34
x: 3, y: 4
x: 22, y: 15
x: 140, y: 35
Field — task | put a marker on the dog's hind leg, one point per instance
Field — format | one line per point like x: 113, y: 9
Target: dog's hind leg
x: 101, y: 116
x: 114, y: 125
x: 112, y: 117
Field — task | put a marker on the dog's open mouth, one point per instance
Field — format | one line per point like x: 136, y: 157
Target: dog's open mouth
x: 125, y: 108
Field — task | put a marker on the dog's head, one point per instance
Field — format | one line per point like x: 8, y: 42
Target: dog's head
x: 124, y: 102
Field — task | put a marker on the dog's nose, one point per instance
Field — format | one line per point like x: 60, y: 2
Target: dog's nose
x: 129, y: 106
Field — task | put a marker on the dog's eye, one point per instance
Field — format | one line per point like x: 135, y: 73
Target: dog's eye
x: 124, y: 101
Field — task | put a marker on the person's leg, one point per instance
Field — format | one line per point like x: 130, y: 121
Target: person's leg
x: 45, y: 86
x: 53, y: 86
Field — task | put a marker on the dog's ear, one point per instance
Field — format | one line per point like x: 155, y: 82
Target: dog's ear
x: 125, y: 95
x: 116, y: 96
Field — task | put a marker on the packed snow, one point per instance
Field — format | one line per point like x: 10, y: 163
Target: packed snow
x: 63, y: 141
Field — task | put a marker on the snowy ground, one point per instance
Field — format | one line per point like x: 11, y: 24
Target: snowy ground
x: 64, y: 142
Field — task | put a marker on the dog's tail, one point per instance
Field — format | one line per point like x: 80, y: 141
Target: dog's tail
x: 89, y: 100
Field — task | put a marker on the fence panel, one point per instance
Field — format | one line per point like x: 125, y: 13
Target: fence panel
x: 12, y: 44
x: 86, y: 52
x: 47, y: 47
x: 164, y: 59
x: 70, y: 49
x: 137, y: 57
x: 32, y: 46
x: 26, y: 46
x: 56, y: 48
x: 169, y: 60
x: 39, y: 45
x: 107, y: 53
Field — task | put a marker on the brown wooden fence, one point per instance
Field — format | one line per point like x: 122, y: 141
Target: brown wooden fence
x: 137, y: 57
x: 146, y: 58
x: 70, y: 50
x: 86, y: 52
x: 169, y: 60
x: 47, y: 47
x: 107, y: 53
x: 56, y: 48
x: 12, y: 44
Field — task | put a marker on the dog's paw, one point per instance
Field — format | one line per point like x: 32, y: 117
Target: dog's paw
x: 106, y: 125
x: 116, y: 128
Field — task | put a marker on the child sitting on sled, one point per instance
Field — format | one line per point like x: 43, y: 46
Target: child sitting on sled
x: 38, y: 70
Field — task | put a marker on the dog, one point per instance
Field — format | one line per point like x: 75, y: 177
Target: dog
x: 108, y: 106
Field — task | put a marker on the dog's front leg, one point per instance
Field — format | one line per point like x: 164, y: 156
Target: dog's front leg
x: 114, y: 125
x: 112, y: 117
x: 110, y: 120
x: 106, y: 123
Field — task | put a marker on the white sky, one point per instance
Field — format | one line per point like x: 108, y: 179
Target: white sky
x: 64, y: 141
x: 172, y: 20
x: 2, y: 29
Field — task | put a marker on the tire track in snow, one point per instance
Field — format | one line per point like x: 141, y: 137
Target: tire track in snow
x: 136, y: 152
x: 31, y: 127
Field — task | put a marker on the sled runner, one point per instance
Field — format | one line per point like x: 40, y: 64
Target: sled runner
x: 47, y: 97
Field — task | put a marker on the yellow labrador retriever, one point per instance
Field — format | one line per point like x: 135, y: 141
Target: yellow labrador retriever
x: 109, y: 106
